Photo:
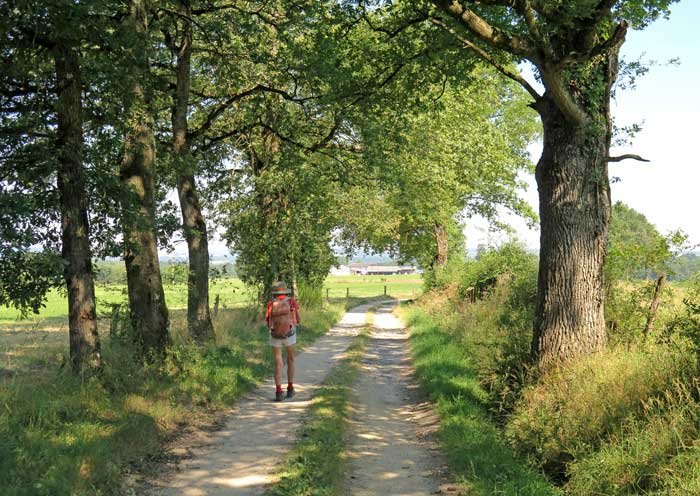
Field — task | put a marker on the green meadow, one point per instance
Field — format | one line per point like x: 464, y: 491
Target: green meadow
x: 232, y: 293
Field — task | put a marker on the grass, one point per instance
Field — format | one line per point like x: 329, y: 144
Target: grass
x: 398, y: 286
x: 572, y: 410
x: 62, y: 434
x: 232, y: 294
x: 477, y: 453
x: 316, y: 465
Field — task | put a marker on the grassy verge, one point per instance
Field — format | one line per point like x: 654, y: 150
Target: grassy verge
x: 61, y: 434
x: 477, y: 454
x: 316, y: 465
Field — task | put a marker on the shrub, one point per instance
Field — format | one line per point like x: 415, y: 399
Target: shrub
x: 687, y: 324
x: 497, y: 327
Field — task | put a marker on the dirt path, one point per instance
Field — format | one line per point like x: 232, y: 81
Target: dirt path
x: 242, y: 457
x: 392, y: 451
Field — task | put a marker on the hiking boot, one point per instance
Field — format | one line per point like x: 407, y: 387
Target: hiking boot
x: 290, y: 392
x: 279, y: 395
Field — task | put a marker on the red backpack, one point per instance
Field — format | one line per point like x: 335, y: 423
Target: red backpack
x: 281, y: 317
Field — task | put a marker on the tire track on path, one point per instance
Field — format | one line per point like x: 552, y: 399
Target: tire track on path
x: 241, y: 459
x: 392, y: 451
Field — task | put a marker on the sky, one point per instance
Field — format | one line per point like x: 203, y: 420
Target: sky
x: 667, y: 103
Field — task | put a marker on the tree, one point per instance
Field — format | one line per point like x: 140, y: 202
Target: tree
x: 53, y: 124
x: 194, y: 226
x: 437, y: 164
x: 149, y: 313
x: 574, y: 49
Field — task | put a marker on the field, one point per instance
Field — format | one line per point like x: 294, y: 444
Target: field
x: 232, y: 293
x: 39, y: 338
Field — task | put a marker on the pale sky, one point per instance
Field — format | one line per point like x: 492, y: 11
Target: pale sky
x: 667, y: 103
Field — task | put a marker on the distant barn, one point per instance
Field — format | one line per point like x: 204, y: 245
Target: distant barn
x: 381, y: 270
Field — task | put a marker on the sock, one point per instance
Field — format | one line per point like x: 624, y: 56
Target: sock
x: 279, y: 388
x: 290, y: 386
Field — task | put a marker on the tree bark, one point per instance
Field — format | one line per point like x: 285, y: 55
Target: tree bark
x: 82, y: 318
x: 441, y: 245
x: 148, y: 311
x: 194, y: 226
x: 654, y: 306
x: 574, y: 193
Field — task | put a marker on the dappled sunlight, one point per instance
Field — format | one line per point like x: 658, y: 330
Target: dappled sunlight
x: 389, y: 453
x: 243, y: 455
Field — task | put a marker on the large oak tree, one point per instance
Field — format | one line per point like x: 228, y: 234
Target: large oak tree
x: 574, y: 49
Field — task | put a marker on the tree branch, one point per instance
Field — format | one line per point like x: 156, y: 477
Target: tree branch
x: 630, y: 156
x: 481, y: 28
x: 615, y: 41
x: 525, y: 9
x: 219, y: 109
x: 483, y: 54
x: 391, y: 33
x: 561, y: 96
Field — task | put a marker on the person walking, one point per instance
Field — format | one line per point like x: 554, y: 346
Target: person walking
x: 282, y: 318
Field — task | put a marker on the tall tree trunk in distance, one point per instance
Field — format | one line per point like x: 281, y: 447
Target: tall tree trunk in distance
x: 195, y: 229
x: 441, y: 245
x: 654, y: 306
x: 82, y: 318
x: 149, y: 313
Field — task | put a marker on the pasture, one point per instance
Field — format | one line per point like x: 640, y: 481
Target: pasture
x: 39, y: 339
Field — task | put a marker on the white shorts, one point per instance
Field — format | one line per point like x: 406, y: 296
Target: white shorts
x: 281, y: 342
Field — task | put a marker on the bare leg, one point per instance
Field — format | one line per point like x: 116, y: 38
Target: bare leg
x: 290, y: 363
x: 278, y: 365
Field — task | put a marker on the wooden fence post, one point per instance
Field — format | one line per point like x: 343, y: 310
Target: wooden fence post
x: 328, y: 290
x: 385, y: 290
x: 216, y: 305
x: 347, y: 292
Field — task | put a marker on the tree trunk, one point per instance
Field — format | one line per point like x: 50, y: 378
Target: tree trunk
x: 194, y: 226
x: 574, y: 192
x: 654, y: 306
x: 149, y: 314
x: 198, y: 315
x: 441, y: 245
x: 82, y: 318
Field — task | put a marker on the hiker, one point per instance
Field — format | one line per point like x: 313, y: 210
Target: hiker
x: 282, y: 317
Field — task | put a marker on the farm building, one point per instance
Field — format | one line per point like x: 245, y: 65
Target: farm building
x: 384, y: 270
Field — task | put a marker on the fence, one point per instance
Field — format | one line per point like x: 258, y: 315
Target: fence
x: 393, y: 290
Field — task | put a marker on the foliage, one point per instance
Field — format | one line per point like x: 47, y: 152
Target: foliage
x: 509, y: 259
x: 636, y: 249
x: 687, y: 322
x: 286, y: 238
x: 685, y: 266
x: 487, y: 305
x: 439, y: 163
x: 30, y: 215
